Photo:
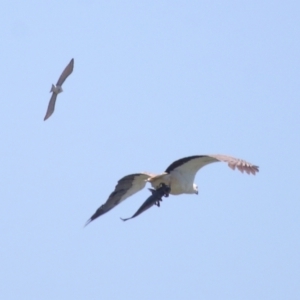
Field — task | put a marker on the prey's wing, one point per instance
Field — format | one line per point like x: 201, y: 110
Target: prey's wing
x: 51, y: 106
x: 66, y: 72
x: 156, y: 196
x: 126, y: 187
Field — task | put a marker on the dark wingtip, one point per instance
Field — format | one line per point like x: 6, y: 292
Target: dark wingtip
x: 47, y: 116
x: 87, y: 222
x: 125, y: 219
x: 99, y: 212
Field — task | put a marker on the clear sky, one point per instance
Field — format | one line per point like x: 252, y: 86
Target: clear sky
x: 153, y: 81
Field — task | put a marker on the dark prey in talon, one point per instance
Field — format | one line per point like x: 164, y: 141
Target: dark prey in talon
x: 56, y: 89
x: 151, y: 200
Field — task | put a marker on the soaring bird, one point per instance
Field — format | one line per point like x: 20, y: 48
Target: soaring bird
x: 56, y: 89
x: 179, y: 177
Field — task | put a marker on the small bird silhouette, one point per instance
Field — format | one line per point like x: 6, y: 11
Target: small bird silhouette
x: 56, y: 89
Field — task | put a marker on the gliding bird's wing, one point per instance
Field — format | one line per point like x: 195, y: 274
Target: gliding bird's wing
x: 51, y: 106
x: 189, y: 166
x: 126, y: 187
x: 66, y: 72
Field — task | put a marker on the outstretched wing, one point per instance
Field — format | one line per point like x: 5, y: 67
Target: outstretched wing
x: 189, y: 166
x: 51, y: 106
x: 126, y: 187
x: 66, y: 72
x: 154, y: 198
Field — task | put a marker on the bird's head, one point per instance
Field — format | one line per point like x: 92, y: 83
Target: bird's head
x: 195, y: 188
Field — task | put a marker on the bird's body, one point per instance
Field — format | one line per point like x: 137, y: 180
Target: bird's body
x: 177, y: 183
x: 57, y: 89
x: 179, y: 177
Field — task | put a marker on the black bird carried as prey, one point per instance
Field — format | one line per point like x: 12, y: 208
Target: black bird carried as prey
x: 154, y: 199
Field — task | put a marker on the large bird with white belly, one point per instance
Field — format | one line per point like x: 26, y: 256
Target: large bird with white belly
x: 179, y: 177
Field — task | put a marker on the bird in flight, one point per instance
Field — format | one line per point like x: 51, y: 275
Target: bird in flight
x: 56, y: 89
x: 179, y: 177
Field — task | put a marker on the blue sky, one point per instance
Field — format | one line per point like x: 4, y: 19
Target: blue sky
x: 154, y: 81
